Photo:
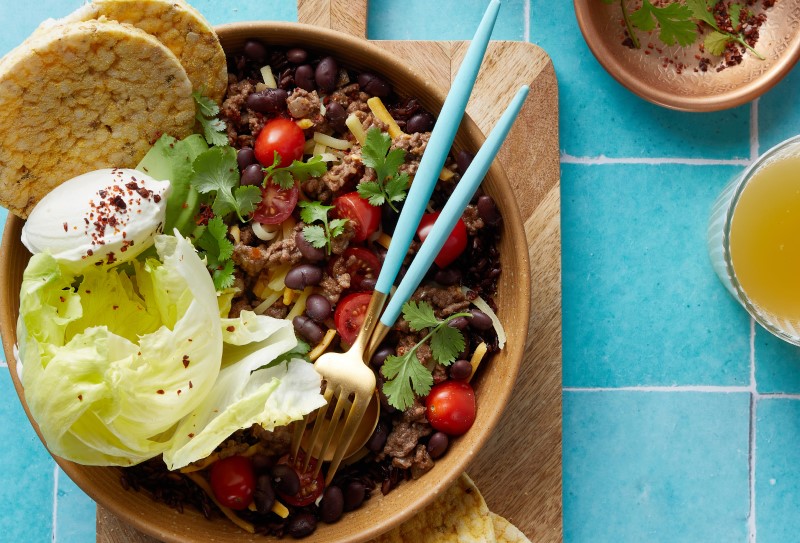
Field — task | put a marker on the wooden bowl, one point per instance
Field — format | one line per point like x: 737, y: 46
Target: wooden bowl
x: 493, y: 384
x: 692, y: 90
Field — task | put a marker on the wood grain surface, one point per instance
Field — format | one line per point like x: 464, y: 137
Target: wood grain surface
x: 519, y: 470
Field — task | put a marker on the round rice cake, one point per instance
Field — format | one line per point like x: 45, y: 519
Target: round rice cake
x: 507, y: 532
x: 81, y: 97
x: 177, y: 25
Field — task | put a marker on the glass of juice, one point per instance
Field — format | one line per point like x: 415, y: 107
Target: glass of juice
x: 754, y: 239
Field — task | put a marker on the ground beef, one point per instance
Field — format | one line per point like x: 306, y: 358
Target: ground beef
x: 246, y: 235
x: 416, y: 412
x: 403, y: 439
x: 422, y: 462
x: 351, y: 98
x: 316, y: 189
x: 253, y: 259
x: 472, y: 220
x: 332, y: 286
x: 368, y: 120
x: 439, y: 374
x: 340, y: 243
x: 413, y: 144
x: 239, y: 305
x: 255, y: 122
x: 445, y: 300
x: 274, y: 443
x: 232, y: 447
x: 303, y: 104
x: 277, y: 310
x: 238, y: 119
x: 349, y: 171
x: 284, y: 251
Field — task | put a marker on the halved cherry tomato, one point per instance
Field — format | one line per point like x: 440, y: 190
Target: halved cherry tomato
x: 361, y: 264
x: 233, y: 481
x: 282, y: 136
x: 276, y: 204
x: 310, y: 487
x: 453, y: 246
x: 350, y: 313
x: 451, y: 407
x: 364, y: 218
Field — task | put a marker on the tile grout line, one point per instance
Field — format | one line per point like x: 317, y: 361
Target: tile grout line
x: 53, y: 536
x: 526, y: 21
x: 603, y: 160
x: 751, y: 517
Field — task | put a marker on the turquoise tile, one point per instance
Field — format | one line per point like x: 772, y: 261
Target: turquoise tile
x: 656, y: 467
x: 225, y: 11
x: 441, y: 20
x: 777, y: 488
x: 598, y: 116
x: 26, y: 495
x: 777, y: 364
x: 778, y: 121
x: 641, y: 303
x: 75, y: 513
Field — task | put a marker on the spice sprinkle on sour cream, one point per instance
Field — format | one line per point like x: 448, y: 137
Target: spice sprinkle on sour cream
x: 101, y: 217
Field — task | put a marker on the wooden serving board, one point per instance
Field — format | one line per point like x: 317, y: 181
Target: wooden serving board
x: 519, y: 469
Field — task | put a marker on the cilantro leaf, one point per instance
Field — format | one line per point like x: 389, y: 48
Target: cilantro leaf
x: 419, y: 315
x: 446, y: 344
x: 297, y: 171
x: 674, y: 21
x: 216, y: 171
x: 405, y: 376
x: 320, y: 235
x: 217, y: 249
x: 214, y: 130
x: 390, y: 185
x: 716, y: 42
x: 702, y: 12
x: 299, y: 351
x: 735, y: 13
x: 642, y: 18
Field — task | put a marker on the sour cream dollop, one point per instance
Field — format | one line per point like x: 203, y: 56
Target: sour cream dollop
x: 98, y: 218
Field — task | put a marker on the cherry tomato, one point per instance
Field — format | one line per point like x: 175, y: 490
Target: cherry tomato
x: 453, y: 246
x: 451, y: 407
x: 364, y: 218
x: 282, y: 136
x: 350, y: 313
x: 310, y: 487
x: 361, y: 264
x: 276, y: 204
x: 233, y: 481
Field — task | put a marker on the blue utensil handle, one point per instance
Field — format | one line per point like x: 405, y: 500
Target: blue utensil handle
x: 453, y: 209
x: 444, y: 132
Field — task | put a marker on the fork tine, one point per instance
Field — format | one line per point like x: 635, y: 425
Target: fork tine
x: 357, y: 410
x: 331, y: 430
x: 318, y: 423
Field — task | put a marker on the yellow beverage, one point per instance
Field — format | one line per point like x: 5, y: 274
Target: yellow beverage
x: 765, y: 239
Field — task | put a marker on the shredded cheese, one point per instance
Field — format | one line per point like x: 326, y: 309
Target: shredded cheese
x: 288, y: 227
x: 288, y: 296
x: 330, y: 141
x: 277, y: 276
x: 279, y: 509
x: 235, y: 233
x: 319, y: 149
x: 356, y: 129
x: 201, y: 464
x: 481, y: 304
x: 379, y: 110
x: 269, y: 297
x: 233, y: 517
x: 300, y: 304
x: 477, y: 356
x: 269, y: 79
x: 446, y: 174
x: 264, y: 232
x: 323, y: 345
x: 305, y: 123
x: 328, y: 157
x: 384, y: 240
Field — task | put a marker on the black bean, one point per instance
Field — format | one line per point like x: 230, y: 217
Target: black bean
x: 369, y: 283
x: 308, y: 251
x: 285, y: 480
x: 354, y: 495
x: 302, y: 525
x: 480, y: 320
x: 262, y: 462
x: 336, y: 115
x: 332, y: 505
x: 255, y: 51
x: 268, y: 101
x: 245, y: 157
x: 304, y: 77
x: 421, y: 122
x: 307, y: 328
x: 302, y: 276
x: 252, y: 175
x: 437, y: 444
x: 463, y: 160
x: 459, y: 322
x: 326, y: 74
x: 488, y: 210
x: 389, y: 217
x: 447, y: 276
x: 380, y: 356
x: 374, y: 85
x: 296, y: 55
x: 460, y: 370
x: 386, y: 407
x: 318, y: 307
x: 264, y: 495
x: 379, y: 436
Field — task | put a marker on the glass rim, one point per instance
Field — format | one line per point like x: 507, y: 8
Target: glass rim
x: 744, y: 299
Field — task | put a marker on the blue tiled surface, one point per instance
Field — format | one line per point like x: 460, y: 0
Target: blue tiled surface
x: 660, y: 367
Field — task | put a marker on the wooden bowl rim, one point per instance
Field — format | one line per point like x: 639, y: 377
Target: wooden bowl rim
x: 434, y: 485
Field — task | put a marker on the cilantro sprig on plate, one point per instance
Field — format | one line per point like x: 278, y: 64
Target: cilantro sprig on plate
x: 320, y: 235
x: 406, y: 375
x: 390, y: 185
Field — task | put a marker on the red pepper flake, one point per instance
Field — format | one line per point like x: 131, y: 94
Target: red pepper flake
x: 80, y: 397
x: 190, y: 385
x: 160, y: 391
x: 66, y: 227
x: 62, y: 299
x: 179, y: 392
x: 186, y: 362
x: 114, y: 307
x: 191, y: 436
x: 231, y: 329
x: 156, y: 198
